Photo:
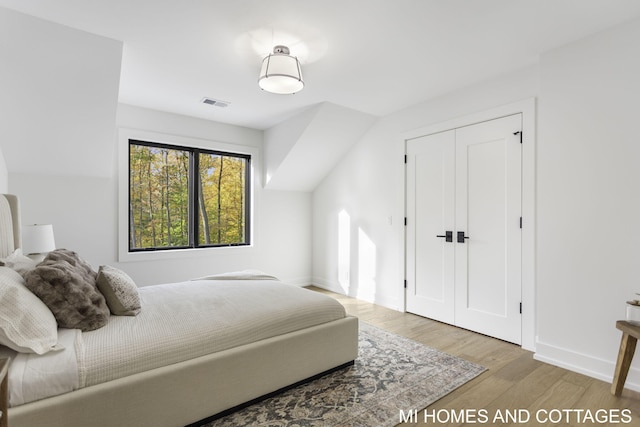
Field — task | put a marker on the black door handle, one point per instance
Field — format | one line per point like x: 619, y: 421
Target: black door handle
x: 448, y: 237
x: 461, y: 237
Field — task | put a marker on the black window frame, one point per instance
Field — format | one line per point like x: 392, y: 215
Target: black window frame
x: 193, y: 206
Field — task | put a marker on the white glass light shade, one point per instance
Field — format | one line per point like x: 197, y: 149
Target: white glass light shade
x: 281, y: 72
x: 37, y: 239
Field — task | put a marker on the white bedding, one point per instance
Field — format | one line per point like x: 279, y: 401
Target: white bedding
x: 34, y: 377
x: 173, y: 327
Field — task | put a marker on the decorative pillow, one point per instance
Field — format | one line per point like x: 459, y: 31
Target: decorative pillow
x: 119, y: 290
x: 26, y: 324
x: 18, y: 262
x: 67, y: 285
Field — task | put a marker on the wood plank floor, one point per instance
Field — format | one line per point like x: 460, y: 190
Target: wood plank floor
x: 514, y: 380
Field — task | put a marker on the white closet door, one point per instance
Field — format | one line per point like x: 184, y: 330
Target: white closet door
x: 430, y: 213
x: 488, y: 210
x: 467, y: 182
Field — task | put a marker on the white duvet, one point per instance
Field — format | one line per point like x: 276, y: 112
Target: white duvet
x: 178, y: 322
x: 34, y: 377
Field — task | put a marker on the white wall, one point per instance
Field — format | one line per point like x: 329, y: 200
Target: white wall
x: 587, y: 181
x: 81, y: 209
x: 59, y: 97
x: 58, y: 106
x: 84, y: 212
x: 4, y: 174
x: 282, y: 219
x: 588, y: 198
x: 301, y: 151
x: 364, y: 256
x: 281, y: 138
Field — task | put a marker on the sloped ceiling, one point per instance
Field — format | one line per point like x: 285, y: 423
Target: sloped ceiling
x: 361, y: 59
x: 374, y: 56
x: 301, y: 151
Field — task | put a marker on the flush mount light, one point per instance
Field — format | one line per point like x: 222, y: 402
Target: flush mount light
x: 281, y: 72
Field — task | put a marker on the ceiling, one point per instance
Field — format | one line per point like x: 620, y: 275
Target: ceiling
x: 374, y: 56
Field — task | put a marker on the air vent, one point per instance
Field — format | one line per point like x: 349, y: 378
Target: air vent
x: 216, y: 102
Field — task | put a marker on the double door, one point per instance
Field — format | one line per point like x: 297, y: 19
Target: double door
x: 463, y: 263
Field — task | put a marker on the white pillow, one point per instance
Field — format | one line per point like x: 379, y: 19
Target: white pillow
x: 26, y: 323
x: 18, y: 262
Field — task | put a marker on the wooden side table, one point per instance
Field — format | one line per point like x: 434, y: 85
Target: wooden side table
x: 4, y: 392
x: 630, y: 335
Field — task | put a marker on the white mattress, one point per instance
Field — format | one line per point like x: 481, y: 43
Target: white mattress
x: 181, y: 321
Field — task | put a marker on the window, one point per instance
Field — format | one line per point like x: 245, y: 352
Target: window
x: 185, y: 197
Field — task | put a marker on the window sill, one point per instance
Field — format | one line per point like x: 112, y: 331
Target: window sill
x: 126, y: 256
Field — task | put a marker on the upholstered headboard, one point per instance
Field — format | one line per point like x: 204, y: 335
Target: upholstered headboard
x: 10, y: 238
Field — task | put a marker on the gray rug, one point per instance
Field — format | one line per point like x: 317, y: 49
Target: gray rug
x: 392, y: 373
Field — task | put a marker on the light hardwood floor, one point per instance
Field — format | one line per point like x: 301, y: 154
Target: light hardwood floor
x: 513, y: 380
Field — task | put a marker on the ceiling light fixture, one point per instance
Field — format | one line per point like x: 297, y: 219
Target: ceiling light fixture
x: 281, y: 72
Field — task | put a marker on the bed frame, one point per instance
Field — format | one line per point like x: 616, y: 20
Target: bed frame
x: 193, y: 390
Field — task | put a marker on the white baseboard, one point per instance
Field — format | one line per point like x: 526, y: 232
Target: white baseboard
x: 298, y: 281
x: 327, y: 285
x: 378, y: 299
x: 584, y: 364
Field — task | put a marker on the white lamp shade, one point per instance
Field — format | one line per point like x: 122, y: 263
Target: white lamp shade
x: 281, y: 74
x: 37, y: 239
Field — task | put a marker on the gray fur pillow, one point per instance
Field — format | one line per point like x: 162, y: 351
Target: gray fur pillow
x: 67, y: 285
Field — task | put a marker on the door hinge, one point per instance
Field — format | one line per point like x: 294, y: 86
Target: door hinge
x: 519, y: 133
x: 405, y: 221
x: 520, y: 222
x: 405, y: 283
x: 405, y: 159
x: 520, y: 308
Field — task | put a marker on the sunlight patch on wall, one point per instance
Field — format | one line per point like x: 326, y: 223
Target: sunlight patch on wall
x: 366, y: 267
x: 344, y: 250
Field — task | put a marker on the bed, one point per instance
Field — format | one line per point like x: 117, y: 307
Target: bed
x: 176, y: 363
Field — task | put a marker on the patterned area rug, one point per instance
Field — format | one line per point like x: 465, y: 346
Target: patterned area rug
x: 392, y: 373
